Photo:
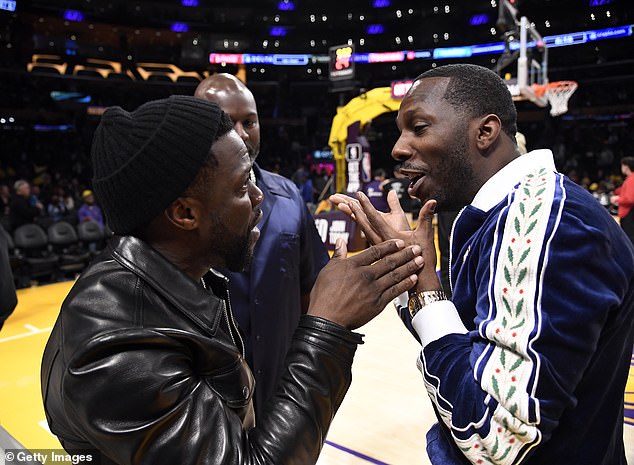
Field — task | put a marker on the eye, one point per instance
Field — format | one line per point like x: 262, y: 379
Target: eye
x: 244, y: 187
x: 250, y: 179
x: 419, y: 128
x: 249, y: 124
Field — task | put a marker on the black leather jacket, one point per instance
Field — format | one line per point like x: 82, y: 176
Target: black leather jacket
x: 146, y: 366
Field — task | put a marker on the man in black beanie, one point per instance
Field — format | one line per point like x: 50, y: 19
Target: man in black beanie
x: 267, y: 308
x: 145, y: 364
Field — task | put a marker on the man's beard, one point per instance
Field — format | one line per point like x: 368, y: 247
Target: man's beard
x: 236, y: 250
x: 253, y: 151
x: 240, y: 259
x: 456, y: 179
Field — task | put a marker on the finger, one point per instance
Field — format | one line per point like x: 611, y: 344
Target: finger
x: 376, y: 252
x: 339, y: 198
x: 344, y: 207
x: 427, y: 211
x: 397, y: 289
x: 376, y: 221
x: 397, y: 268
x: 341, y: 250
x: 394, y: 203
x: 400, y: 277
x: 362, y: 220
x: 342, y: 201
x: 425, y: 217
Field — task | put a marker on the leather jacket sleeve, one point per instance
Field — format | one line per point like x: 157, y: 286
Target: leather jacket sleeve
x: 150, y: 400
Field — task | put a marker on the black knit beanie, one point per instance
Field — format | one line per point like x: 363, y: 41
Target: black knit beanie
x: 145, y: 159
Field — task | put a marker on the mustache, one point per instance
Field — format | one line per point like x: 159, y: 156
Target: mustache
x: 412, y: 167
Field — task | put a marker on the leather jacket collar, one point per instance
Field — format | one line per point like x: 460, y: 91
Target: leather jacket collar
x: 170, y: 282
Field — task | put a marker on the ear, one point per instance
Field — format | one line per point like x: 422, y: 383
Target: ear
x: 184, y: 213
x: 489, y: 128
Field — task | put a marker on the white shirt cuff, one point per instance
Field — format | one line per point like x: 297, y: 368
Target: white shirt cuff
x: 402, y: 300
x: 437, y: 320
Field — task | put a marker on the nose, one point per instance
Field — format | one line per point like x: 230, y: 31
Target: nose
x: 401, y: 151
x: 255, y: 194
x: 239, y: 128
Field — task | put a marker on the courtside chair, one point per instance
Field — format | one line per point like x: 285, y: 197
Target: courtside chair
x: 73, y: 257
x: 40, y: 263
x: 91, y: 236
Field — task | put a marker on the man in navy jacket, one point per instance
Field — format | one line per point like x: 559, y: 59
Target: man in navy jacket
x: 272, y: 294
x: 527, y: 364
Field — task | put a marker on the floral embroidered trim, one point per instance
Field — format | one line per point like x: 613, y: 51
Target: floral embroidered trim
x: 508, y: 370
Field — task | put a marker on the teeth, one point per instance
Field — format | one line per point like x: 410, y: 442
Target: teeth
x: 415, y: 178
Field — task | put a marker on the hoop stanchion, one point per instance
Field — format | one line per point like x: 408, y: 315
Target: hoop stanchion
x: 558, y: 93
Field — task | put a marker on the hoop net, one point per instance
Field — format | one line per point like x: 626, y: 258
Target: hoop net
x: 558, y: 93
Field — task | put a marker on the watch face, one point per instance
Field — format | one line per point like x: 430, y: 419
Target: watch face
x: 413, y: 305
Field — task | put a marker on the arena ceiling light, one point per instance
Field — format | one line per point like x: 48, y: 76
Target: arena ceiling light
x: 286, y: 5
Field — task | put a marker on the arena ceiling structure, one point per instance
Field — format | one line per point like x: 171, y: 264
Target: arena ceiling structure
x: 186, y: 32
x: 126, y: 52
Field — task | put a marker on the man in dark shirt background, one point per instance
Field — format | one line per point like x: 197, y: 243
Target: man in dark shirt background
x: 21, y: 210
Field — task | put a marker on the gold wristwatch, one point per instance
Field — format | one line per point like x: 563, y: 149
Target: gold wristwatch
x: 418, y: 300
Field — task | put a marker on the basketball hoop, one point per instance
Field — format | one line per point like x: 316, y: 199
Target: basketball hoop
x: 558, y: 93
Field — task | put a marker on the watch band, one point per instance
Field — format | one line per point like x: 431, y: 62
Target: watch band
x: 418, y: 300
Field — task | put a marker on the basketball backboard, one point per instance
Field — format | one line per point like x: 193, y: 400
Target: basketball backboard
x: 524, y: 63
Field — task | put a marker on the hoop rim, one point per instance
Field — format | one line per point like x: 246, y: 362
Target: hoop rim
x: 540, y: 89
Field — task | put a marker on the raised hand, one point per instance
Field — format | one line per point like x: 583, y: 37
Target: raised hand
x: 395, y: 218
x: 350, y: 291
x: 379, y: 227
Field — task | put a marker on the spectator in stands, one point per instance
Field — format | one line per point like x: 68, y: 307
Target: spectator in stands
x: 375, y: 192
x: 69, y: 200
x: 306, y: 189
x: 36, y: 197
x: 90, y: 211
x: 324, y: 185
x: 56, y: 208
x: 5, y: 205
x: 624, y: 197
x: 399, y: 183
x: 21, y: 210
x: 299, y: 175
x: 268, y: 308
x: 5, y: 199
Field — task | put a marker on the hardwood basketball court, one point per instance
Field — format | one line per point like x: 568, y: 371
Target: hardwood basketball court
x: 382, y: 421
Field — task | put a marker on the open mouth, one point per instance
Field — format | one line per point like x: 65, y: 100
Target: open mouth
x: 416, y: 178
x: 415, y: 183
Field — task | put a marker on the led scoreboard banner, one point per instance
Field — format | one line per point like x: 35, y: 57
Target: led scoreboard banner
x: 341, y: 62
x: 7, y: 5
x: 342, y: 58
x: 398, y: 89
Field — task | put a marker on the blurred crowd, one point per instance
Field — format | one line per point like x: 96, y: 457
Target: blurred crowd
x: 45, y: 175
x: 44, y: 178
